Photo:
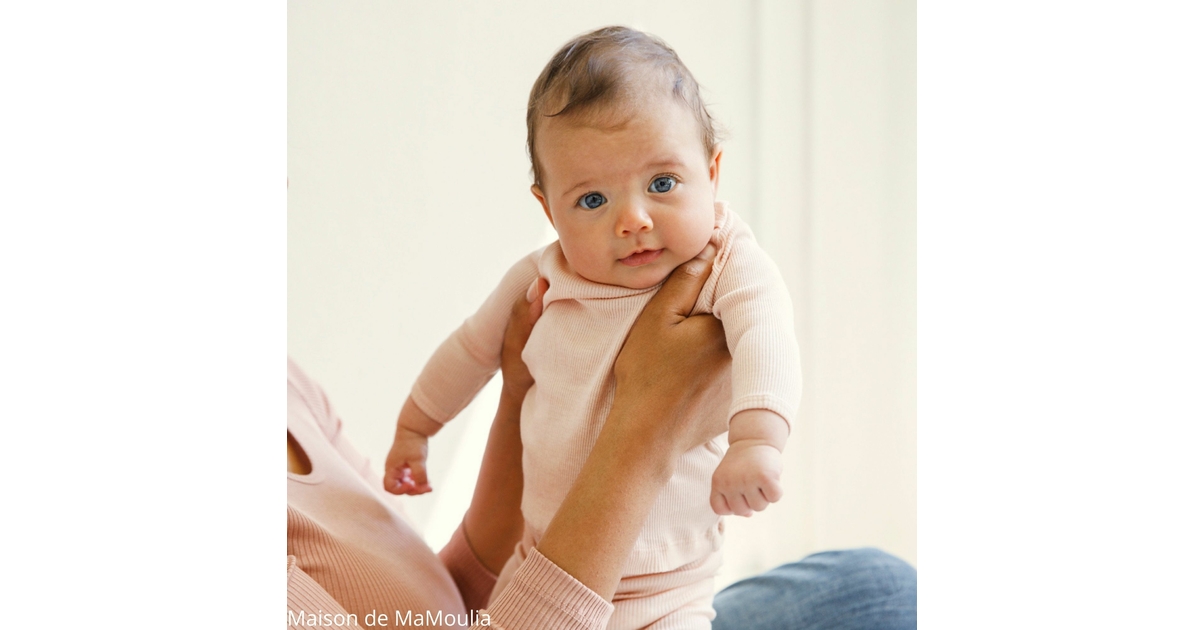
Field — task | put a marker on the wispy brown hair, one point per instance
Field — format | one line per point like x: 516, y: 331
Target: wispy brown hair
x: 599, y: 69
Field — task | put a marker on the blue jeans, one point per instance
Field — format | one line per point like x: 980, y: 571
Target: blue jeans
x: 856, y: 589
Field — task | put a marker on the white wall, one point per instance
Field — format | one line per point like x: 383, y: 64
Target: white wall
x: 408, y: 200
x: 859, y: 283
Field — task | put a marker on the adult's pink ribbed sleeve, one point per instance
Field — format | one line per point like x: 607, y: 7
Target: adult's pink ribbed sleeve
x: 540, y: 596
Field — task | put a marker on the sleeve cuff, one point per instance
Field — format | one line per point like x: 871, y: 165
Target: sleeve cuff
x: 474, y: 581
x: 541, y: 595
x: 427, y: 405
x: 768, y: 402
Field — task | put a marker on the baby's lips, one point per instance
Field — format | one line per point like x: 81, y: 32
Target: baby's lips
x: 642, y: 257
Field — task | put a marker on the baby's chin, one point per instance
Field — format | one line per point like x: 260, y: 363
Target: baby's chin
x: 648, y: 284
x: 641, y: 278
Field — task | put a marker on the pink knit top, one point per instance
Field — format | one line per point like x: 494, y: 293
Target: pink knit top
x: 352, y: 552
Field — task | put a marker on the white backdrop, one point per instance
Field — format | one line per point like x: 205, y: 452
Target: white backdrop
x: 408, y: 199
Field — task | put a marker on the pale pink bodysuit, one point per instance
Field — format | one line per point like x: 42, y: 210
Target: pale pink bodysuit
x: 571, y: 352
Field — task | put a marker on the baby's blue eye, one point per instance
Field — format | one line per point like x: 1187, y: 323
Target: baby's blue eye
x: 662, y: 184
x: 591, y: 201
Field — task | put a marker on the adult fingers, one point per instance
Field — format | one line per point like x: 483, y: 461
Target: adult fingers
x: 523, y: 315
x: 678, y: 294
x: 707, y: 332
x: 535, y: 297
x: 526, y: 312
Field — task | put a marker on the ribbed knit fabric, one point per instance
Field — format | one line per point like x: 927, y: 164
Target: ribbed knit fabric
x: 306, y: 597
x: 541, y: 595
x: 674, y: 600
x: 474, y: 581
x: 351, y: 550
x: 571, y: 354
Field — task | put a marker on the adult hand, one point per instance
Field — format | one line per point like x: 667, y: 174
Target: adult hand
x: 676, y: 365
x: 516, y: 379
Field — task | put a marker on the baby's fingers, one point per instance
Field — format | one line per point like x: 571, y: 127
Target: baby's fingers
x: 772, y: 490
x: 403, y: 480
x: 392, y: 480
x: 418, y: 474
x: 756, y: 500
x: 738, y: 504
x: 719, y: 504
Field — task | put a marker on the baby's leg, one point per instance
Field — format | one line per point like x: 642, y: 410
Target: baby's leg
x: 696, y: 615
x: 676, y: 600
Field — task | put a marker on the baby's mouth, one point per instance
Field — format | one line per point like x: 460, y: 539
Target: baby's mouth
x: 642, y: 257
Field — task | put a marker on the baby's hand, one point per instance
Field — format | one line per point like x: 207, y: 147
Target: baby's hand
x: 405, y: 467
x: 748, y: 478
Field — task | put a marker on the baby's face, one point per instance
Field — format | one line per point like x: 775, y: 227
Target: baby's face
x: 631, y: 203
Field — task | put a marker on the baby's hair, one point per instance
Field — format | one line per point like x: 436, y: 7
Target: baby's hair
x: 600, y: 69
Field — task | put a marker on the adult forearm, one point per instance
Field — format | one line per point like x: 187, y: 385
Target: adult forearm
x: 494, y: 521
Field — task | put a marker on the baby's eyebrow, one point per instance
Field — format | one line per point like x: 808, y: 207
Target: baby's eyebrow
x: 575, y: 187
x: 666, y: 163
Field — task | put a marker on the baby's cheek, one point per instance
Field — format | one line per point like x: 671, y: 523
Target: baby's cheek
x: 584, y: 260
x: 695, y: 235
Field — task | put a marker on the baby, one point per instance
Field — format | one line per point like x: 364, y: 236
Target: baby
x: 626, y: 167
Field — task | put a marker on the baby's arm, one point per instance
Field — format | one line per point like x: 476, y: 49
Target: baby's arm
x: 461, y: 366
x: 754, y: 305
x: 749, y: 477
x: 405, y: 465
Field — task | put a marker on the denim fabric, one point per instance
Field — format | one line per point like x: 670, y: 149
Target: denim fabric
x: 855, y: 589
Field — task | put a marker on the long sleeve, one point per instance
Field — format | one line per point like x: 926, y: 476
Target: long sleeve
x: 306, y: 597
x: 472, y: 578
x: 754, y: 305
x: 466, y: 360
x: 541, y: 596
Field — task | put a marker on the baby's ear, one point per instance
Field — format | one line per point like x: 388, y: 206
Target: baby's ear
x: 714, y: 169
x: 543, y: 201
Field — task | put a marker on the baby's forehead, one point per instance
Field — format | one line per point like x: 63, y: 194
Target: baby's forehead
x: 621, y: 114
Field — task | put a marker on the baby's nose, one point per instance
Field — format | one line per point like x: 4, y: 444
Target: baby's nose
x: 633, y: 219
